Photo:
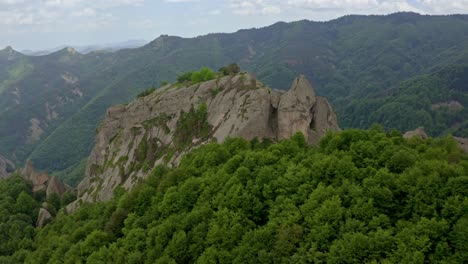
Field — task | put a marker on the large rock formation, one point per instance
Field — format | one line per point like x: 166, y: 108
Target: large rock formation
x: 134, y: 138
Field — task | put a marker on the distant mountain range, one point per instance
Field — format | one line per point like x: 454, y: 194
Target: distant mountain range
x: 403, y: 70
x: 85, y: 49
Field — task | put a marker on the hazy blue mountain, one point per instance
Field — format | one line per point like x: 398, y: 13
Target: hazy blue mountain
x: 84, y: 49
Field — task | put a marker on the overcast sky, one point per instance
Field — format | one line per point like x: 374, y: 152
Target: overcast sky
x: 39, y: 24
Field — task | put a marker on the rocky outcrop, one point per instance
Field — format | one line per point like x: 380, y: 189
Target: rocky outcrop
x: 41, y: 181
x: 134, y: 138
x: 43, y: 218
x: 462, y: 143
x: 418, y: 132
x: 54, y: 185
x: 6, y: 167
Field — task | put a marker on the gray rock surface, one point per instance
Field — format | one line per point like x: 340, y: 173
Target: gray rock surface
x: 41, y: 181
x: 56, y: 186
x: 238, y: 106
x: 6, y: 167
x: 43, y: 218
x: 418, y: 132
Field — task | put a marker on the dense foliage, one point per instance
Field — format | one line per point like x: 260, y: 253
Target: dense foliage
x: 19, y: 210
x: 203, y: 75
x: 18, y: 213
x: 192, y: 126
x: 360, y: 197
x: 231, y: 69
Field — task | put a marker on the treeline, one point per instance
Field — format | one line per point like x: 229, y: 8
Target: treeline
x: 358, y: 197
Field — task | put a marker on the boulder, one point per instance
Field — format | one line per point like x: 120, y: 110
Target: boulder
x: 55, y: 186
x: 418, y: 132
x: 43, y: 218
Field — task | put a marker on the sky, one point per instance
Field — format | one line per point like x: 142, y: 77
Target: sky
x: 42, y: 24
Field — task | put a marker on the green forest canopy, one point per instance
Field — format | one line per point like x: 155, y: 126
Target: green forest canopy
x: 359, y: 197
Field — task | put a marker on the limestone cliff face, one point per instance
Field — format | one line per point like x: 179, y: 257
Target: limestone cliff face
x: 134, y: 138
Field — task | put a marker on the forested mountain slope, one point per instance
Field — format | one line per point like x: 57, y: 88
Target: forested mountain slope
x: 358, y: 197
x: 52, y: 104
x: 437, y: 101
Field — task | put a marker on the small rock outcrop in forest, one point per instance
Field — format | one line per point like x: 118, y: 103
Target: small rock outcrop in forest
x: 6, y: 167
x: 43, y: 217
x: 41, y: 181
x: 161, y: 127
x: 462, y: 143
x: 419, y: 132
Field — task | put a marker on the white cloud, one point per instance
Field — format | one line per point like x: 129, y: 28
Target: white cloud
x: 335, y: 8
x: 334, y: 4
x: 127, y: 2
x: 62, y: 3
x: 143, y: 24
x: 215, y: 12
x: 85, y: 12
x: 271, y: 10
x: 445, y: 6
x: 57, y: 12
x: 254, y: 7
x: 179, y: 1
x: 11, y: 2
x: 397, y: 6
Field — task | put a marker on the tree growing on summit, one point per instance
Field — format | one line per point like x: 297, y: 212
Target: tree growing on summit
x: 231, y: 69
x: 205, y: 74
x: 184, y: 77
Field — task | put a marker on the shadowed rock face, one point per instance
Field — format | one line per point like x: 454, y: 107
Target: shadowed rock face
x: 6, y: 167
x: 237, y: 106
x: 43, y: 218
